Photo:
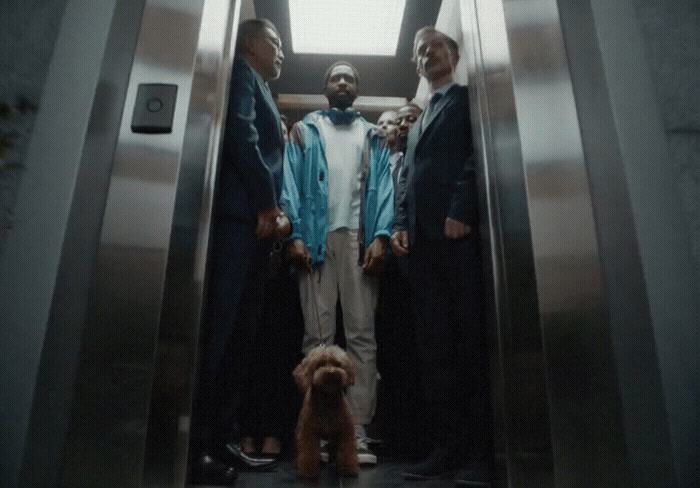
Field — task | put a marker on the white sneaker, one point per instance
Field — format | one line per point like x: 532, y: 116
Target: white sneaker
x: 364, y: 455
x: 325, y: 456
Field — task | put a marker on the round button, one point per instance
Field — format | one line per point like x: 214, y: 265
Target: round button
x: 154, y: 104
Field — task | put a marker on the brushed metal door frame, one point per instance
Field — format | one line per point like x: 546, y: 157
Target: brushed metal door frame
x: 527, y: 114
x: 121, y: 365
x: 523, y: 446
x: 185, y: 278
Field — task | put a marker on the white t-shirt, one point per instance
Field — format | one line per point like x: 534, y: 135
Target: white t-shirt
x: 343, y: 145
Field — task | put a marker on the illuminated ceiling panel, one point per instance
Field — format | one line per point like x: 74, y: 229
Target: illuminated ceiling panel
x: 366, y: 27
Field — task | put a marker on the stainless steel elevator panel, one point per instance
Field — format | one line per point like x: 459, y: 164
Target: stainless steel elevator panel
x: 529, y: 131
x: 531, y: 142
x: 110, y: 427
x: 584, y: 407
x: 177, y: 347
x: 523, y: 446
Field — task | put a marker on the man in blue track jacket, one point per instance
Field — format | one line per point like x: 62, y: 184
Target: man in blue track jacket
x: 339, y: 196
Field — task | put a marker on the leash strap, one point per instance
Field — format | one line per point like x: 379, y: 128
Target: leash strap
x: 312, y: 283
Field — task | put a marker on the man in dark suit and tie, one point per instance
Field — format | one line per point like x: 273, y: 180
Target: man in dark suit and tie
x: 246, y: 220
x: 436, y: 225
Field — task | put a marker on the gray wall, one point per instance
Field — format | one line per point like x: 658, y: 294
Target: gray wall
x: 650, y: 61
x: 27, y: 36
x: 671, y: 40
x: 670, y: 31
x: 64, y: 88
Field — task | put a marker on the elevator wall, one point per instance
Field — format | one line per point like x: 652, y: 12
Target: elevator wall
x: 598, y: 96
x: 518, y: 376
x: 27, y: 38
x: 632, y: 73
x: 650, y: 67
x: 670, y: 32
x: 31, y: 248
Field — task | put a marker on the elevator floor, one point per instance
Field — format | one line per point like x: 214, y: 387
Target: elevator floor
x: 383, y: 475
x: 532, y: 472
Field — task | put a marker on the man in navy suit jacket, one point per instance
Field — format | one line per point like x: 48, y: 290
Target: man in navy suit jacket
x: 436, y: 225
x: 246, y: 220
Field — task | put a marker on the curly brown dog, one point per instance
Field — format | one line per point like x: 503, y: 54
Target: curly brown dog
x: 323, y: 375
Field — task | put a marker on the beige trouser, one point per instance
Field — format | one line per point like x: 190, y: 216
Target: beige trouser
x: 341, y: 274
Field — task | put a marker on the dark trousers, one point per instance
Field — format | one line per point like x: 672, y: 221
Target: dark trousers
x: 448, y: 299
x: 272, y: 401
x: 228, y: 333
x: 400, y: 411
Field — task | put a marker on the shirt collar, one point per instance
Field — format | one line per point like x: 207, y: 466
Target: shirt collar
x: 257, y: 75
x: 444, y: 88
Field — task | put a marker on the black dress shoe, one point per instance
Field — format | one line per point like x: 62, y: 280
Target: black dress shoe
x: 208, y: 470
x: 234, y: 455
x: 272, y: 455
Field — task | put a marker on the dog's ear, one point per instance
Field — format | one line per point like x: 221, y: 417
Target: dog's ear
x: 304, y: 372
x: 347, y: 365
x: 301, y: 375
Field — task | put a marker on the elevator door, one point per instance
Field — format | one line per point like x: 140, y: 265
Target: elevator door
x: 135, y: 379
x: 185, y: 182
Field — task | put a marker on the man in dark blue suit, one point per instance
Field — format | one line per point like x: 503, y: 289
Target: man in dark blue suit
x: 246, y: 221
x: 436, y: 225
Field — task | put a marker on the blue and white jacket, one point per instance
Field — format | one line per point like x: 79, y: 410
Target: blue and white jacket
x: 305, y: 187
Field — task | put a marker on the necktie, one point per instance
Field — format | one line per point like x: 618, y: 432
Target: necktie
x: 431, y: 108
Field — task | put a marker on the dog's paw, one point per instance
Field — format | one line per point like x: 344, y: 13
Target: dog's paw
x: 309, y: 466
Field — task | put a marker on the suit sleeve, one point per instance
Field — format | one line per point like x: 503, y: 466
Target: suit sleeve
x: 464, y: 203
x: 240, y: 146
x: 291, y: 179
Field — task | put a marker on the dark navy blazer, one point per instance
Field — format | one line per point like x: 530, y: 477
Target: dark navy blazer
x: 439, y: 176
x: 253, y: 148
x: 248, y: 181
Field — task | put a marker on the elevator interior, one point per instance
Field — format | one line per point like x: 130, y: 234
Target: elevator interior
x: 591, y: 375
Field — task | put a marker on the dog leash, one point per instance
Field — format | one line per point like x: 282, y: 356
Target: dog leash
x: 315, y: 304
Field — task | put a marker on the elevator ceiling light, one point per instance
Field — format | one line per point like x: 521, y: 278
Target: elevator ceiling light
x: 369, y: 27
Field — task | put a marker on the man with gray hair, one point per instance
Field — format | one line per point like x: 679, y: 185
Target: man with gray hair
x: 437, y: 227
x: 246, y: 220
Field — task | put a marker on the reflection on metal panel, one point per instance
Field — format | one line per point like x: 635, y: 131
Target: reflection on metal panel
x: 584, y: 408
x: 53, y: 395
x: 518, y: 379
x: 108, y: 430
x: 176, y: 353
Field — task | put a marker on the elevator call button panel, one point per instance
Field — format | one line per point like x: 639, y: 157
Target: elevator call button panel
x: 154, y: 109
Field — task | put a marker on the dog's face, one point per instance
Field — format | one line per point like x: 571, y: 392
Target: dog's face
x: 327, y: 368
